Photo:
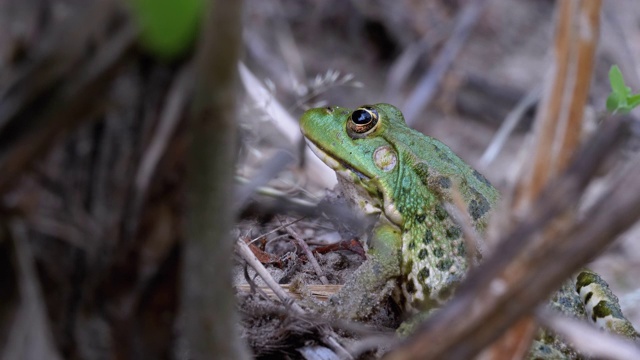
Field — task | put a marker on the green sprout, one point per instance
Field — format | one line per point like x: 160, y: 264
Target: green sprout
x: 621, y: 100
x: 168, y: 27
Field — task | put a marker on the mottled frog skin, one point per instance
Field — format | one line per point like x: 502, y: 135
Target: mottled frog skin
x: 406, y: 178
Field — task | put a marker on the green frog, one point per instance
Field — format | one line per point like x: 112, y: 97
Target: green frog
x: 406, y: 179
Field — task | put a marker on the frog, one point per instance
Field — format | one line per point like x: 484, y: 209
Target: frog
x: 406, y: 180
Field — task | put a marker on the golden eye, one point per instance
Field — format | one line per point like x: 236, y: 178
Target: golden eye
x: 362, y: 121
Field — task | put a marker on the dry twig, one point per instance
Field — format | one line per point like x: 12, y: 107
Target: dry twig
x: 328, y: 336
x: 508, y: 125
x: 176, y: 104
x: 593, y: 342
x: 428, y: 84
x: 559, y: 121
x: 312, y: 259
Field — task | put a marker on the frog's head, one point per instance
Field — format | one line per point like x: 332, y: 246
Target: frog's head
x: 358, y: 144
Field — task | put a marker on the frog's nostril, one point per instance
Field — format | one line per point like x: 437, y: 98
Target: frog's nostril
x: 329, y: 109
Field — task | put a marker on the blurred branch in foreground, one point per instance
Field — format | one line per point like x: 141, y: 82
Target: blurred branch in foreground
x: 208, y: 306
x: 557, y: 131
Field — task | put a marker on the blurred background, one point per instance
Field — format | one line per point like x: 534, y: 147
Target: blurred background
x: 94, y: 98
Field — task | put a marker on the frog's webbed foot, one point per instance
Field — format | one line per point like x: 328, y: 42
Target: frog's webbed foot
x: 366, y: 290
x: 371, y: 284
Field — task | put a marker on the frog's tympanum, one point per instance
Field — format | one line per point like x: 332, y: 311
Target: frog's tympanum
x: 406, y: 179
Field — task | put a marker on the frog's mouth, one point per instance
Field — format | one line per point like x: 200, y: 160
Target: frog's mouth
x: 337, y: 165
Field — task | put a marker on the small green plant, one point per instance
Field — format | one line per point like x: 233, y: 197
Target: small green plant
x: 168, y: 27
x: 621, y: 100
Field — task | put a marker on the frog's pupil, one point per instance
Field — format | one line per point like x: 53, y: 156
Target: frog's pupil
x: 361, y: 117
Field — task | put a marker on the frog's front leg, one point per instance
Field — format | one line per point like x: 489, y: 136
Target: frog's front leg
x: 372, y: 282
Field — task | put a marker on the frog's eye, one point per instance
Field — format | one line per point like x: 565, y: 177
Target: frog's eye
x: 362, y: 121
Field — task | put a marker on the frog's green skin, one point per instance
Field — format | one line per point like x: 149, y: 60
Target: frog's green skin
x: 407, y: 178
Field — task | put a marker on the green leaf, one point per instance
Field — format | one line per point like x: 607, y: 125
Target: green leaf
x: 168, y: 27
x: 612, y: 103
x: 617, y: 82
x: 633, y: 100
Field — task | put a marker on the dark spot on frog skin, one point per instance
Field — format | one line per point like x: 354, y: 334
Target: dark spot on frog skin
x: 438, y: 252
x: 544, y: 348
x: 588, y: 297
x: 604, y: 309
x: 481, y: 178
x: 420, y: 218
x: 428, y: 237
x: 564, y: 301
x: 377, y: 269
x: 462, y: 250
x: 444, y: 182
x: 444, y: 264
x: 411, y: 287
x: 454, y: 232
x: 478, y: 206
x: 440, y: 212
x: 422, y: 170
x: 412, y: 245
x: 443, y: 156
x: 585, y: 278
x: 423, y: 275
x: 408, y: 264
x: 423, y: 254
